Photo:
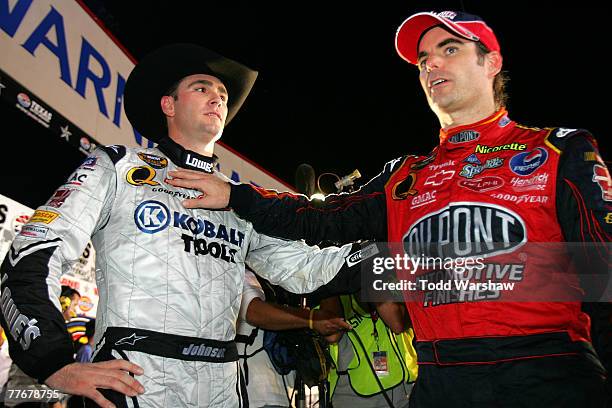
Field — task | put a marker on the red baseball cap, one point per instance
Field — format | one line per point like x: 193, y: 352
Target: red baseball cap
x: 464, y: 25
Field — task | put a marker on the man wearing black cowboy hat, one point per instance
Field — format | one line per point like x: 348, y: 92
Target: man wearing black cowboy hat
x: 170, y: 280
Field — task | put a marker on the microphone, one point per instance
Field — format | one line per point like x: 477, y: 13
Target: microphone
x: 305, y: 179
x: 347, y: 180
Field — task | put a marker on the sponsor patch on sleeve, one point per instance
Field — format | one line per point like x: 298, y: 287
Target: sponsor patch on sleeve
x: 34, y: 231
x: 89, y: 162
x: 601, y: 176
x: 43, y: 217
x: 59, y: 197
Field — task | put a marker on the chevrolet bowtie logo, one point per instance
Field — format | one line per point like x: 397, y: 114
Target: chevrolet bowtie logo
x: 440, y: 177
x: 130, y: 340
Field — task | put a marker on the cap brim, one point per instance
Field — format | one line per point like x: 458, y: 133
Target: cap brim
x: 158, y: 71
x: 410, y: 31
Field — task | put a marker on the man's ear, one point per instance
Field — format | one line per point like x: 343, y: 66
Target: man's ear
x: 494, y: 63
x: 167, y: 105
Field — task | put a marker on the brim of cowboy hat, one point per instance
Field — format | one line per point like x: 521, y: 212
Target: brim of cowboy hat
x: 161, y: 69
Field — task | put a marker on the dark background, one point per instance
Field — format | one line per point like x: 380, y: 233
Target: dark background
x: 332, y: 92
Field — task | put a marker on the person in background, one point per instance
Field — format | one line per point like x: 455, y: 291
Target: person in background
x: 85, y: 352
x: 265, y: 386
x: 375, y: 361
x: 69, y: 300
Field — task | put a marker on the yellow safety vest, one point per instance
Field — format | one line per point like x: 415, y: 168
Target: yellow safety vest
x: 401, y: 355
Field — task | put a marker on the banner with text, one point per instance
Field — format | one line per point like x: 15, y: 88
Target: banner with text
x: 68, y: 74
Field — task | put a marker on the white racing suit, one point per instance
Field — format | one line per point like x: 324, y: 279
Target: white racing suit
x: 170, y: 279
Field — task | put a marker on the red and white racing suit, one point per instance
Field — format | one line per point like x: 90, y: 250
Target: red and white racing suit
x: 497, y: 181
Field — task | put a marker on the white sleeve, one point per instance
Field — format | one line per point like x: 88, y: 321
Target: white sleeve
x: 251, y: 290
x: 295, y: 266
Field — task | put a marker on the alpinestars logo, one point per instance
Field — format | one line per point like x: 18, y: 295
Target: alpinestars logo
x: 130, y: 340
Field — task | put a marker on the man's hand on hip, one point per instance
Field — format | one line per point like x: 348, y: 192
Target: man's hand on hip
x: 84, y: 379
x: 215, y: 192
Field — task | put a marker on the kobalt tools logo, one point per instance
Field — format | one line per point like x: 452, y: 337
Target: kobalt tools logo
x: 463, y: 137
x: 526, y: 163
x: 466, y: 229
x: 199, y: 246
x: 151, y: 217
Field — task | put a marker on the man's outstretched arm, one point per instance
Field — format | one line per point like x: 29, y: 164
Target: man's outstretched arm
x: 340, y: 218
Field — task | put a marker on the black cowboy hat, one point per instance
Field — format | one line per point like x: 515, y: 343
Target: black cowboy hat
x: 153, y: 76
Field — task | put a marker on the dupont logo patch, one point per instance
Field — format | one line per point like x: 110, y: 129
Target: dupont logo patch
x: 464, y: 137
x: 466, y: 229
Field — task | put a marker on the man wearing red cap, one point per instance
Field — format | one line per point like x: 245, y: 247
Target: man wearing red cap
x: 492, y: 188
